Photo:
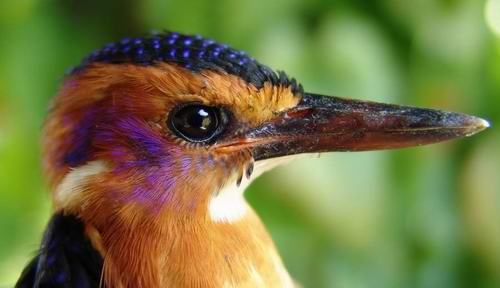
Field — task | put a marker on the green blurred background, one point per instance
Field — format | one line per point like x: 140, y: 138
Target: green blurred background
x: 423, y: 217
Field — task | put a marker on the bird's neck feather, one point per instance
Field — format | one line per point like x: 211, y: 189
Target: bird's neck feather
x: 223, y: 243
x: 198, y: 253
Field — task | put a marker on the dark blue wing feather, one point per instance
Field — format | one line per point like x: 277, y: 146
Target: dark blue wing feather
x: 66, y: 257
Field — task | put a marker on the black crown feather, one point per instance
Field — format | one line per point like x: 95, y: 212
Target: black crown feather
x: 192, y: 52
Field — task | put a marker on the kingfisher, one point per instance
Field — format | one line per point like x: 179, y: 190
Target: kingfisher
x: 150, y: 143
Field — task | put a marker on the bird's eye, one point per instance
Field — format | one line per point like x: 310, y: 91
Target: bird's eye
x: 196, y: 122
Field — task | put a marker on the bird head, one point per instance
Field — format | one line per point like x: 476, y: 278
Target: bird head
x: 182, y: 124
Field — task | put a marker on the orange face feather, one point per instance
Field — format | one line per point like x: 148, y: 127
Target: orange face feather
x: 146, y: 192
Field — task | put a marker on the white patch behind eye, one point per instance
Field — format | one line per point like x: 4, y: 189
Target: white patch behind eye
x: 69, y: 191
x: 229, y: 205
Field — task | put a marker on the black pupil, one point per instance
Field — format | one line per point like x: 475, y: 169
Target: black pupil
x: 196, y: 122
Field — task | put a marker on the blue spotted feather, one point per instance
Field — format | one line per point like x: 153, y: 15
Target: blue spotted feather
x: 192, y: 52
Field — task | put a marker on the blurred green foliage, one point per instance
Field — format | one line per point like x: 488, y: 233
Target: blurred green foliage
x: 423, y: 217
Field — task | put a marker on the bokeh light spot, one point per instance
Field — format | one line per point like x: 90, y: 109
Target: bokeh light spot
x: 492, y: 15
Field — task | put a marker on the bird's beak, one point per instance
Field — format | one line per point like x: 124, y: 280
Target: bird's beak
x: 322, y: 123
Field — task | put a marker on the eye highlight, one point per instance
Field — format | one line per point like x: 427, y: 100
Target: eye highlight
x: 196, y: 122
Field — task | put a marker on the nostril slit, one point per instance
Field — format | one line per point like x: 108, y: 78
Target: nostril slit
x: 299, y: 113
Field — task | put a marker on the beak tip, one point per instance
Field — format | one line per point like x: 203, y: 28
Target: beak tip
x: 478, y: 125
x: 484, y: 124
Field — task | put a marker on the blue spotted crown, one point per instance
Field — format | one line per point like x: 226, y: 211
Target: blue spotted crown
x: 192, y: 52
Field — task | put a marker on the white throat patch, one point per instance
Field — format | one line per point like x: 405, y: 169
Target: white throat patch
x: 229, y: 204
